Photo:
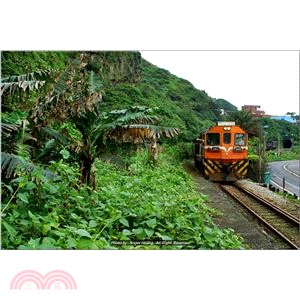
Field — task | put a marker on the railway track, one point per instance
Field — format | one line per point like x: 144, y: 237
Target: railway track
x: 283, y: 223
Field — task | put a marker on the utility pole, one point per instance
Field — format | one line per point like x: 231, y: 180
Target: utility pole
x: 260, y: 146
x: 261, y: 150
x: 278, y: 146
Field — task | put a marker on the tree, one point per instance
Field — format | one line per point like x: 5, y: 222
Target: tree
x: 293, y: 115
x: 76, y: 95
x: 16, y: 86
x: 134, y: 125
x: 76, y: 90
x: 15, y: 151
x: 244, y: 119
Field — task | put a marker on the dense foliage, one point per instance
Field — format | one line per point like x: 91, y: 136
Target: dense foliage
x: 138, y: 207
x: 179, y: 102
x: 68, y: 183
x: 13, y: 63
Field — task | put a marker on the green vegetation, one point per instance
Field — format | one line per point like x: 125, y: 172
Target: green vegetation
x: 265, y: 130
x: 140, y: 203
x: 179, y: 103
x: 92, y: 145
x: 226, y: 106
x: 289, y: 197
x: 285, y: 154
x: 13, y: 63
x: 81, y: 164
x: 277, y: 129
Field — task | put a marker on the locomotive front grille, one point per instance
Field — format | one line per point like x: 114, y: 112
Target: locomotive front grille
x: 217, y: 171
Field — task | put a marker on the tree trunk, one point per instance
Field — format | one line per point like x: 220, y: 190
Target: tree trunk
x: 87, y: 176
x: 154, y: 152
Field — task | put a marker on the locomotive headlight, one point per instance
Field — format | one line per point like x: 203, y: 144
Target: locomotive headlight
x: 237, y: 149
x: 214, y: 148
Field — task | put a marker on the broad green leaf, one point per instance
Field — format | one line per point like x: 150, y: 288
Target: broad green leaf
x: 52, y: 189
x: 23, y: 197
x: 8, y: 187
x: 151, y: 223
x: 83, y: 232
x: 102, y: 243
x: 126, y: 232
x: 23, y: 247
x: 30, y: 186
x: 59, y: 233
x: 71, y: 243
x: 47, y: 243
x: 124, y: 222
x: 93, y: 223
x: 149, y: 232
x: 9, y: 229
x: 31, y: 215
x: 140, y: 233
x: 86, y: 244
x: 34, y: 243
x: 163, y: 237
x: 25, y: 222
x: 74, y: 216
x: 46, y: 228
x: 209, y: 234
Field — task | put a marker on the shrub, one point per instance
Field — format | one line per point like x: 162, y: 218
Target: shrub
x: 143, y: 207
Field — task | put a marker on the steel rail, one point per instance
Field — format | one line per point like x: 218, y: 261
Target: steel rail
x: 278, y: 209
x: 291, y: 243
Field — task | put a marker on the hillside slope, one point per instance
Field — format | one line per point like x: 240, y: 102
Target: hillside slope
x: 130, y: 80
x: 180, y: 103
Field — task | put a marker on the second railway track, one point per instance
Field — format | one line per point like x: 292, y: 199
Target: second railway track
x: 284, y: 224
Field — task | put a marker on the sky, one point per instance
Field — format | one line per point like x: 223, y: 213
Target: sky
x: 266, y: 78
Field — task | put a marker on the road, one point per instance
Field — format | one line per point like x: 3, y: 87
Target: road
x: 290, y: 170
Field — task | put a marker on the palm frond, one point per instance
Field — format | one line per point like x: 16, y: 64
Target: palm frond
x: 7, y: 128
x: 39, y: 74
x: 138, y: 133
x: 94, y: 84
x: 29, y: 81
x: 73, y: 94
x: 11, y: 163
x: 47, y: 105
x: 140, y: 114
x: 56, y: 135
x: 11, y: 87
x: 157, y: 131
x: 135, y: 124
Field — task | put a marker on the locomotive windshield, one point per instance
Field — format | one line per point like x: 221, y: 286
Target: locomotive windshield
x: 213, y: 139
x: 240, y: 139
x: 227, y: 138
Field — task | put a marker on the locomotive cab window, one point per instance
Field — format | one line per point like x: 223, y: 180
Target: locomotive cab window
x: 213, y: 139
x: 227, y: 138
x: 240, y: 139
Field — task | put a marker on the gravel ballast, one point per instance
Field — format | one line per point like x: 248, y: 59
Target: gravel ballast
x: 233, y: 215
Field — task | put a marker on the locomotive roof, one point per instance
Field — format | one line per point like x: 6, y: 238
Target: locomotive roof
x: 224, y: 125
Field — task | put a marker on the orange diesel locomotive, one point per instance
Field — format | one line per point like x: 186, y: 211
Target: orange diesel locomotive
x: 222, y: 152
